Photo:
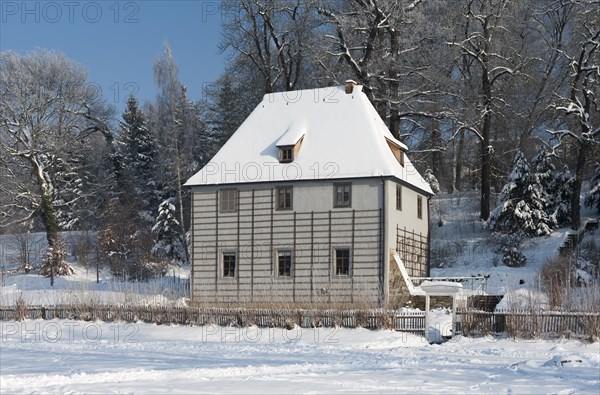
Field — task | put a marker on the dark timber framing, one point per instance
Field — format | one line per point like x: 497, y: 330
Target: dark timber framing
x: 413, y: 249
x: 257, y: 229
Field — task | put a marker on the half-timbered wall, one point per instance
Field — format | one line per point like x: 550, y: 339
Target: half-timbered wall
x: 257, y: 230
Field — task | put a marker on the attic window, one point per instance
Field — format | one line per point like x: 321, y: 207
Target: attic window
x: 397, y: 151
x: 286, y: 154
x: 289, y: 144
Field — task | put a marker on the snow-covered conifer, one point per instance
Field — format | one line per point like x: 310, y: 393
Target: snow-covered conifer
x: 560, y: 191
x: 432, y: 181
x: 522, y: 206
x: 169, y: 239
x: 138, y: 159
x: 54, y: 264
x: 593, y: 198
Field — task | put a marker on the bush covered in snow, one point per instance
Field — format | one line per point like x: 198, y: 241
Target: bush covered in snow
x: 54, y: 263
x: 571, y: 280
x: 510, y: 247
x: 126, y: 247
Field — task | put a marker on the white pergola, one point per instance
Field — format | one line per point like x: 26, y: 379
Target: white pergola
x: 439, y: 288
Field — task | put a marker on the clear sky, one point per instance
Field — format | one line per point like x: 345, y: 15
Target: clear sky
x: 117, y: 41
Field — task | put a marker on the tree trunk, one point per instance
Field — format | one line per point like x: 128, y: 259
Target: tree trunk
x: 575, y: 200
x: 486, y: 150
x: 394, y: 83
x: 458, y: 162
x: 48, y: 216
x: 437, y: 162
x: 180, y: 198
x: 46, y: 209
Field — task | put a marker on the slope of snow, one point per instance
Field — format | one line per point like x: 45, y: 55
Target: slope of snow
x: 76, y: 357
x: 464, y: 248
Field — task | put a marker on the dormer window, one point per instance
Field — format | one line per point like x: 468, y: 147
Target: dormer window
x: 397, y: 151
x: 286, y: 154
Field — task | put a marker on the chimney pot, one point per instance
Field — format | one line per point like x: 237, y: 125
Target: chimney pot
x: 350, y: 84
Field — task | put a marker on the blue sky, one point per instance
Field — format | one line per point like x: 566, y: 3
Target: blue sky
x: 117, y: 41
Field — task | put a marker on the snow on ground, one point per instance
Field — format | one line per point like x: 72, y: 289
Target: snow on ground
x: 34, y: 289
x: 463, y: 248
x: 86, y: 285
x: 62, y: 356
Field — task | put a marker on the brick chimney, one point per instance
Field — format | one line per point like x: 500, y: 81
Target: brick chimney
x: 350, y: 84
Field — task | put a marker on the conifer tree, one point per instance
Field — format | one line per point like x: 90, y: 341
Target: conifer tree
x: 138, y: 160
x: 169, y: 242
x: 522, y: 200
x: 53, y: 263
x: 593, y: 198
x: 561, y: 193
x: 432, y: 181
x: 542, y: 175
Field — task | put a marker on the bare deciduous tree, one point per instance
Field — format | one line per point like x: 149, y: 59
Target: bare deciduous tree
x: 48, y: 114
x: 580, y: 105
x: 489, y: 56
x: 275, y: 36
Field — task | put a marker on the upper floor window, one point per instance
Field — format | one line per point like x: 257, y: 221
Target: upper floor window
x: 398, y: 197
x: 419, y: 207
x: 228, y: 198
x: 342, y: 195
x: 285, y: 198
x: 286, y: 153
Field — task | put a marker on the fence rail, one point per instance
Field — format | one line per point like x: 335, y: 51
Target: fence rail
x: 526, y: 324
x: 410, y: 322
x: 372, y: 319
x: 469, y: 322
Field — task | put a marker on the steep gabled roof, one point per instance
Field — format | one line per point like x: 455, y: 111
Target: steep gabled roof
x: 342, y: 137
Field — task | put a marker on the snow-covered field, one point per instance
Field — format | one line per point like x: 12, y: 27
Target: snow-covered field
x: 62, y: 356
x: 76, y: 357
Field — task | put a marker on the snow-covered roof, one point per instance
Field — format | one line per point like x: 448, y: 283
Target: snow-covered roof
x: 342, y: 137
x: 293, y: 134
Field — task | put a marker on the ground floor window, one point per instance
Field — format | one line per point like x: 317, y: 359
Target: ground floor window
x: 342, y: 261
x: 284, y: 263
x: 229, y: 264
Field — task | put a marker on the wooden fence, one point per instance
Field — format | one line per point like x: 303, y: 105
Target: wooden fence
x: 521, y: 324
x: 526, y: 324
x: 372, y: 319
x: 413, y: 322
